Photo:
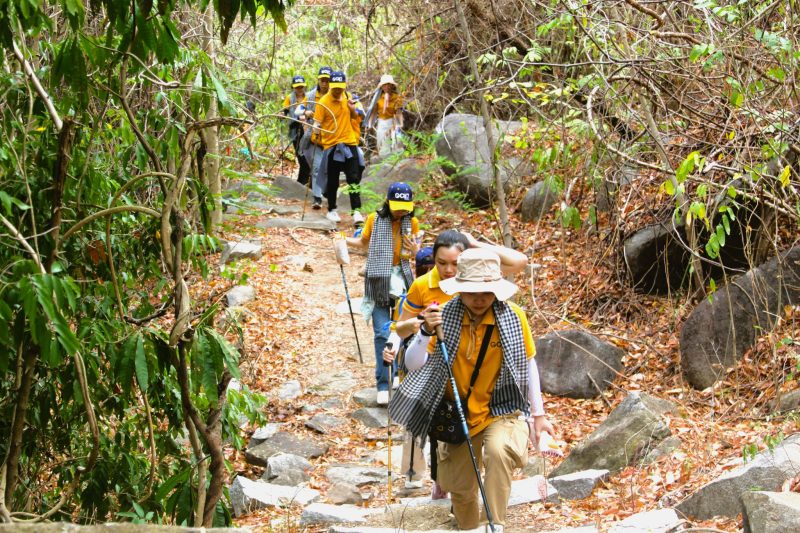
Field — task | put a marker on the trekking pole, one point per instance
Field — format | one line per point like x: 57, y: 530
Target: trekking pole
x: 343, y: 258
x: 389, y: 431
x: 464, y: 427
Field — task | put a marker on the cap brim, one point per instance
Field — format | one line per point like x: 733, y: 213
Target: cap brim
x: 396, y: 205
x: 502, y: 288
x: 324, y: 77
x: 298, y: 85
x: 338, y: 85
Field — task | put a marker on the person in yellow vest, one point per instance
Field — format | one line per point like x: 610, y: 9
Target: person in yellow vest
x: 312, y: 149
x: 334, y: 118
x: 294, y: 108
x: 425, y: 294
x: 387, y: 117
x: 491, y: 351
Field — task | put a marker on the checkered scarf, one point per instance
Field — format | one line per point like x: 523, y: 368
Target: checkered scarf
x: 422, y: 390
x: 379, y: 259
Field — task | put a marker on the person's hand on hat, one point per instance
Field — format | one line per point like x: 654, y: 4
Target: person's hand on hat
x: 473, y: 242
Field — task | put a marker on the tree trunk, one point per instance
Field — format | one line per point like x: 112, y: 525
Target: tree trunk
x: 488, y: 126
x: 211, y: 135
x: 24, y: 385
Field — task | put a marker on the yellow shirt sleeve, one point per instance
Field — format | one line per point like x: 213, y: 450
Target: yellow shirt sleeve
x: 530, y: 346
x: 287, y: 101
x: 414, y: 301
x: 366, y: 233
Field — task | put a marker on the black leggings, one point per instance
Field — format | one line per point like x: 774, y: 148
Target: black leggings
x: 304, y: 173
x: 351, y: 173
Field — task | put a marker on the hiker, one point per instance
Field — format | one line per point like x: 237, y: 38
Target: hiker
x: 425, y: 293
x: 413, y: 460
x: 490, y: 346
x: 387, y: 116
x: 387, y: 235
x: 340, y: 142
x: 312, y: 144
x: 294, y: 108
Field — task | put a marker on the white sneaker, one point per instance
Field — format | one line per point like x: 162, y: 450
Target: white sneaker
x: 395, y: 382
x: 333, y: 216
x: 358, y: 218
x: 413, y: 484
x: 383, y: 397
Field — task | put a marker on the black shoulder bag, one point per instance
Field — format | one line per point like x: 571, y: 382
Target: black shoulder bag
x: 446, y: 424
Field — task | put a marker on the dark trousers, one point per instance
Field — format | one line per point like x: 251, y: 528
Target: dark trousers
x: 304, y: 174
x: 351, y: 173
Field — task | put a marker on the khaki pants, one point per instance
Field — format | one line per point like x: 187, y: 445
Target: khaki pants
x: 419, y: 466
x: 500, y: 448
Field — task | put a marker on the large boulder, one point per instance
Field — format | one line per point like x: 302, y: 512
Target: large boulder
x: 656, y: 259
x: 658, y: 521
x: 244, y: 249
x: 625, y: 437
x: 770, y: 512
x: 538, y: 201
x: 767, y: 471
x: 718, y: 332
x: 464, y: 143
x: 576, y: 364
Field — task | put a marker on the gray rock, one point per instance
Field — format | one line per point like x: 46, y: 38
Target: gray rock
x: 355, y: 474
x: 532, y: 489
x: 655, y: 258
x: 333, y: 385
x: 366, y: 397
x: 323, y: 513
x: 538, y: 465
x: 464, y: 143
x: 658, y: 521
x: 296, y: 260
x: 288, y: 188
x: 263, y: 433
x: 538, y: 201
x: 717, y: 333
x: 258, y: 207
x: 771, y: 512
x: 344, y: 493
x: 578, y: 485
x: 287, y: 469
x: 241, y: 186
x: 665, y: 447
x: 567, y: 359
x: 624, y: 438
x: 238, y: 250
x: 283, y: 442
x: 324, y: 423
x: 240, y: 295
x: 322, y: 224
x: 372, y: 417
x: 583, y: 529
x: 767, y: 471
x: 247, y: 495
x: 290, y: 390
x: 788, y: 402
x: 332, y: 403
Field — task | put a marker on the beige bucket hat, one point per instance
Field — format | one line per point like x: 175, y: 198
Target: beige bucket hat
x: 478, y: 270
x: 387, y: 78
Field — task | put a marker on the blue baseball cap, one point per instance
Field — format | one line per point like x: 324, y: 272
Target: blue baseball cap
x: 400, y: 197
x: 324, y: 72
x: 424, y: 257
x: 298, y: 81
x: 338, y: 80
